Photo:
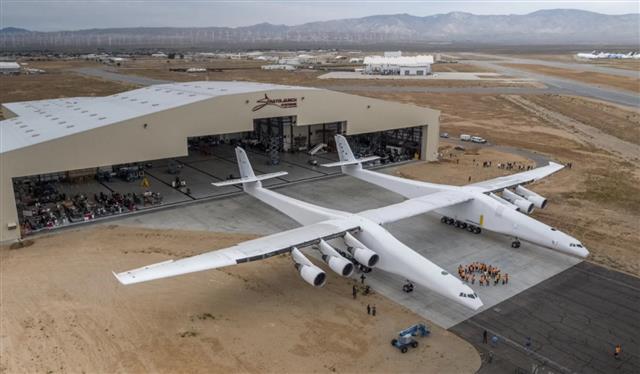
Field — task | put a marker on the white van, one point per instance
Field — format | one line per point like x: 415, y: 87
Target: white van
x: 478, y: 139
x: 465, y: 137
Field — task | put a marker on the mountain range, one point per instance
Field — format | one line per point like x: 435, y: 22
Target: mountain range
x: 545, y: 27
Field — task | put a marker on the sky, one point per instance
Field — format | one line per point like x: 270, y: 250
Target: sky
x: 53, y: 15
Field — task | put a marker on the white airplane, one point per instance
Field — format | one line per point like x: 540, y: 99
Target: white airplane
x: 473, y: 207
x: 368, y: 245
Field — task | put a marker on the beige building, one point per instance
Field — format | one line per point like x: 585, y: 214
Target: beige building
x: 48, y: 136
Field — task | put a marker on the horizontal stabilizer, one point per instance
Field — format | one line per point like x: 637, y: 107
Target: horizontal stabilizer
x: 351, y: 162
x: 250, y: 179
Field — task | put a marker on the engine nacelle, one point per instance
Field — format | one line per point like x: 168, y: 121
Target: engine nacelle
x: 365, y: 256
x: 537, y: 200
x: 503, y: 201
x: 340, y: 265
x: 362, y: 254
x: 308, y: 271
x: 524, y: 205
x: 335, y: 261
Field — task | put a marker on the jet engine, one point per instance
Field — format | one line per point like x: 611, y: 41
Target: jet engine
x: 308, y: 271
x: 335, y: 261
x: 362, y: 254
x: 503, y: 201
x: 524, y: 205
x: 537, y: 200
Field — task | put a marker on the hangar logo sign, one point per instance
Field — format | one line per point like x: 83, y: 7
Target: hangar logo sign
x: 288, y: 102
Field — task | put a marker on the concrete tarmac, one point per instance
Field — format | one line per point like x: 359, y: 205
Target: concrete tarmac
x: 574, y: 320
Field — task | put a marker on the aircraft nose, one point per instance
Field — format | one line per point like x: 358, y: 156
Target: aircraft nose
x: 582, y: 252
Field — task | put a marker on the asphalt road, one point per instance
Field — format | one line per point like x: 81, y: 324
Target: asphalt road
x: 574, y: 319
x: 559, y: 64
x: 567, y: 86
x: 118, y: 77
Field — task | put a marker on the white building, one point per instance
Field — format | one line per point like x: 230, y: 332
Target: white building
x: 402, y: 65
x: 278, y: 67
x: 9, y: 68
x: 294, y: 61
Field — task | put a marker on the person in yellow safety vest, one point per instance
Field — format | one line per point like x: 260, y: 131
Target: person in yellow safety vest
x: 145, y: 182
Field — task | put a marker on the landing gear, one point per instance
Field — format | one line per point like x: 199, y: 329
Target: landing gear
x: 460, y: 224
x: 407, y: 287
x: 515, y: 244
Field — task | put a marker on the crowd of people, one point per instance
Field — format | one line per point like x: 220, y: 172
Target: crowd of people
x: 485, y: 274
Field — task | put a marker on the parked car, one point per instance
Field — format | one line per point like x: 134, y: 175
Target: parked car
x: 478, y: 139
x: 465, y: 137
x: 444, y: 135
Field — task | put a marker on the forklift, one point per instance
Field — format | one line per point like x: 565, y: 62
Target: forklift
x: 405, y: 337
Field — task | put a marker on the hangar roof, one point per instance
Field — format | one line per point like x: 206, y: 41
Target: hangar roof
x: 44, y: 120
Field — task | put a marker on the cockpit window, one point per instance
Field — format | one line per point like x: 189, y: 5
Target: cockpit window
x: 554, y: 229
x: 579, y: 245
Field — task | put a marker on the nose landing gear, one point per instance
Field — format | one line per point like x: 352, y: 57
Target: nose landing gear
x: 515, y: 243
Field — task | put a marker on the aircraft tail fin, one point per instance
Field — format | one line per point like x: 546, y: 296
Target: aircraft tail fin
x: 247, y: 176
x: 346, y: 155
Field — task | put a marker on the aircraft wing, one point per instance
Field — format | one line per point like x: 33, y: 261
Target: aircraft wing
x: 415, y: 206
x: 525, y: 177
x: 252, y: 250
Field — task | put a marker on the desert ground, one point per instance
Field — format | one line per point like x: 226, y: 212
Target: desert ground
x: 598, y: 79
x: 63, y: 312
x: 58, y: 82
x: 62, y: 320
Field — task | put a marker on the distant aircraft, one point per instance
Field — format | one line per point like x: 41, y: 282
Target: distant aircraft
x: 367, y: 244
x: 473, y: 207
x: 595, y: 55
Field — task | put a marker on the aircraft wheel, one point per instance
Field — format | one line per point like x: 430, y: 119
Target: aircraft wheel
x: 451, y: 221
x: 477, y: 230
x: 515, y: 244
x: 404, y: 349
x: 444, y: 219
x: 463, y: 225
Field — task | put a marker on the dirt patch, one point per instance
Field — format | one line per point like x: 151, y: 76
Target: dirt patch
x: 55, y: 85
x: 621, y: 123
x: 459, y: 167
x: 64, y: 312
x: 599, y: 79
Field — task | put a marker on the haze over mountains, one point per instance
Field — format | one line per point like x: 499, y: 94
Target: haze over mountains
x: 559, y: 26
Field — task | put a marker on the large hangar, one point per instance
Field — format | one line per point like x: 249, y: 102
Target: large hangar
x: 156, y: 122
